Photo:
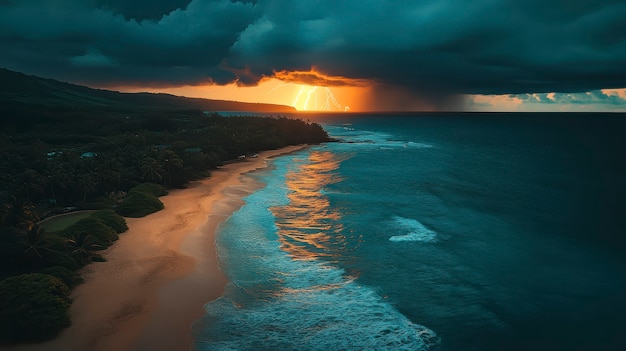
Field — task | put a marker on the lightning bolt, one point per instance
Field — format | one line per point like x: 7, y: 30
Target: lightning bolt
x: 330, y: 97
x: 327, y: 104
x: 317, y: 101
x: 312, y: 98
x: 300, y: 92
x: 308, y: 97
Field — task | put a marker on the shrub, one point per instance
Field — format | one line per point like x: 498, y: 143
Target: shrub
x: 67, y: 276
x: 104, y: 234
x: 139, y: 204
x: 150, y: 188
x: 61, y: 258
x: 112, y: 219
x: 33, y: 307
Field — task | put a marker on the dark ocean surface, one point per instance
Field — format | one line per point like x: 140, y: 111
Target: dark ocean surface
x: 432, y: 231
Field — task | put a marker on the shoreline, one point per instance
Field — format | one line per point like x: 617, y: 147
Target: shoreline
x: 161, y: 272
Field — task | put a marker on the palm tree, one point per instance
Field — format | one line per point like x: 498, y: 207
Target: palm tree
x: 33, y: 183
x: 58, y: 179
x: 36, y: 243
x: 171, y: 161
x: 82, y: 246
x: 109, y: 173
x: 151, y: 170
x: 87, y: 183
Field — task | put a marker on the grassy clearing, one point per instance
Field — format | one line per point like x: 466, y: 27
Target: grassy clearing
x: 61, y: 222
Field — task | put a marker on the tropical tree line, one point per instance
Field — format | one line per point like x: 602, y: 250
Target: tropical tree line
x: 40, y: 268
x: 49, y: 169
x: 117, y: 165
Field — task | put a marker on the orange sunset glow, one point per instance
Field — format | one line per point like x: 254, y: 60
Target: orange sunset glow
x: 304, y: 90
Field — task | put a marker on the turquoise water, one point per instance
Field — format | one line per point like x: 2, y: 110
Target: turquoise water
x: 418, y: 232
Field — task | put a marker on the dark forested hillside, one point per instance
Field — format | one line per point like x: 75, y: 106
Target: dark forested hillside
x: 66, y: 148
x: 21, y: 92
x: 86, y: 133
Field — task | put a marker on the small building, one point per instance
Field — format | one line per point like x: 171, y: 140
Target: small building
x: 53, y: 154
x: 88, y: 154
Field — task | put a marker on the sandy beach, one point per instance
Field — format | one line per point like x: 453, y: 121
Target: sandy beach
x: 161, y: 272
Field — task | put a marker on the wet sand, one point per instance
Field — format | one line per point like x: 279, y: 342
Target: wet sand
x: 161, y: 272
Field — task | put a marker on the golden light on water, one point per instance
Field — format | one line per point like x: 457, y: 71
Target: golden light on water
x: 308, y: 228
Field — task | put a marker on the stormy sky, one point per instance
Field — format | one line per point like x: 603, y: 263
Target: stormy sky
x: 432, y: 49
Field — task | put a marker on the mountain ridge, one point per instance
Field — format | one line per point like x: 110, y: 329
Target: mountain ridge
x: 20, y: 90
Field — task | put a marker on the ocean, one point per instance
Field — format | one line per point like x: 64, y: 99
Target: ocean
x: 432, y: 232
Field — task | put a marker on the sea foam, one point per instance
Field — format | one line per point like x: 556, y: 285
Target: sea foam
x: 347, y: 316
x: 415, y: 231
x: 278, y: 302
x: 371, y: 139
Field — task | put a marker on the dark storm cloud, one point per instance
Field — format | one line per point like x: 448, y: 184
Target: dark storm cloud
x: 316, y: 79
x: 142, y: 9
x: 90, y: 43
x: 432, y: 48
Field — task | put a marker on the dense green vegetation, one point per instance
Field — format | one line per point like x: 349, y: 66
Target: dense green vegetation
x: 35, y: 250
x: 33, y: 307
x: 150, y: 188
x: 63, y: 148
x: 141, y: 201
x: 54, y: 165
x: 84, y: 164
